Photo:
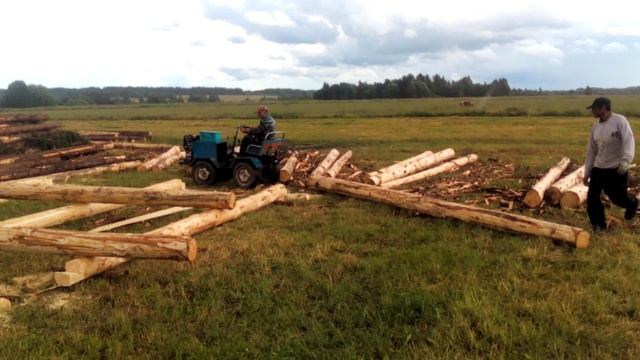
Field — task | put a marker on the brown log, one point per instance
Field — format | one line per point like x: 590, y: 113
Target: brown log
x: 533, y: 197
x: 408, y: 168
x: 145, y: 146
x: 575, y: 196
x: 5, y: 304
x: 65, y: 176
x: 73, y: 164
x: 438, y: 208
x: 338, y: 164
x: 156, y: 160
x: 141, y: 218
x: 119, y: 195
x: 326, y: 163
x: 448, y: 166
x: 64, y: 214
x: 10, y: 139
x: 554, y: 193
x: 397, y: 165
x: 191, y: 225
x: 68, y: 152
x: 11, y: 130
x: 286, y: 172
x: 79, y: 243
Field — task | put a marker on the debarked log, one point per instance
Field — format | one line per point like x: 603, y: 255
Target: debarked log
x: 534, y: 196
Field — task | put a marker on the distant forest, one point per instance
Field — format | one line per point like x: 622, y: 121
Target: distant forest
x: 20, y: 95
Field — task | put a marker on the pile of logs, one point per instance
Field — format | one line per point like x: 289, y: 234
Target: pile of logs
x: 14, y: 128
x: 113, y: 136
x: 553, y: 188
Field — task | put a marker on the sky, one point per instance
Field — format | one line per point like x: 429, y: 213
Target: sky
x: 258, y: 44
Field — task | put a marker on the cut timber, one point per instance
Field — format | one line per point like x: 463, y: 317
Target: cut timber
x: 78, y: 243
x: 398, y: 165
x: 165, y: 163
x: 554, y: 193
x: 119, y: 195
x: 575, y: 196
x: 408, y: 168
x: 11, y: 130
x: 141, y: 218
x: 534, y: 197
x: 139, y: 146
x: 337, y: 166
x: 56, y: 153
x: 63, y: 214
x: 438, y: 208
x: 286, y: 173
x: 5, y: 304
x: 191, y: 225
x: 73, y: 164
x: 449, y: 166
x: 158, y: 159
x: 66, y: 175
x: 326, y: 163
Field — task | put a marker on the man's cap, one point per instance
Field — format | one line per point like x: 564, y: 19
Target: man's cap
x: 600, y: 102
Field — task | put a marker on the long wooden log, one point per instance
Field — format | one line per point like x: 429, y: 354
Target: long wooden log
x: 554, y: 193
x: 142, y: 146
x: 326, y: 163
x: 400, y: 164
x: 79, y: 243
x: 448, y: 166
x: 66, y: 175
x: 286, y: 173
x: 194, y: 224
x: 575, y: 196
x: 119, y: 195
x: 163, y: 164
x: 438, y: 208
x: 156, y: 160
x: 64, y: 214
x: 408, y: 168
x: 338, y: 164
x: 11, y: 130
x: 534, y: 197
x: 56, y: 153
x: 73, y: 164
x: 141, y: 218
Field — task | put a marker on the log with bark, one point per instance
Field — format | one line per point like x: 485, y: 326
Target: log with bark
x: 119, y: 195
x: 439, y: 208
x: 574, y: 197
x: 286, y: 172
x: 80, y: 269
x: 12, y: 130
x: 406, y: 168
x: 338, y: 164
x: 554, y: 193
x: 64, y: 214
x: 63, y: 166
x: 448, y: 166
x: 65, y: 153
x: 78, y: 243
x: 533, y: 197
x: 140, y: 146
x: 142, y: 218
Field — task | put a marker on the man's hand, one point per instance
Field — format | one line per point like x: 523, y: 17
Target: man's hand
x: 623, y: 167
x: 244, y: 129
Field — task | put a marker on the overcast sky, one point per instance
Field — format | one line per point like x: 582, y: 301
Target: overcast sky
x: 256, y: 44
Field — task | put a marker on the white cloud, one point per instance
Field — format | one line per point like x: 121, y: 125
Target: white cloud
x: 270, y: 18
x: 614, y: 47
x: 541, y: 49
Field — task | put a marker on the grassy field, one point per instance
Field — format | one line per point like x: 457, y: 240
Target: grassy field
x: 342, y: 278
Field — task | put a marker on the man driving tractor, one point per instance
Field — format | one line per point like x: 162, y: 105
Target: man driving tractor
x: 256, y: 135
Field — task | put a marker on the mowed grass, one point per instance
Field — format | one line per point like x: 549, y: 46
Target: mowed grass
x: 342, y: 278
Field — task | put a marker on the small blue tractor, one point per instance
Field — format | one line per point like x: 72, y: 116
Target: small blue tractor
x: 212, y: 159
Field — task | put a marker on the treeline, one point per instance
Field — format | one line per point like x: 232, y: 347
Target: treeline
x: 410, y: 86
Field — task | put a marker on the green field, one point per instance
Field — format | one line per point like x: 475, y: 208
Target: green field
x: 342, y: 278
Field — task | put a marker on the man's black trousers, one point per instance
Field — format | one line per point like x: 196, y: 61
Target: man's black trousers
x: 614, y: 185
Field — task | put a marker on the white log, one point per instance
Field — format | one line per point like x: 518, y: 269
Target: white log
x: 286, y: 173
x: 448, y: 166
x: 5, y: 304
x: 574, y: 197
x: 64, y: 214
x: 554, y: 193
x: 425, y: 205
x: 408, y: 168
x: 338, y: 164
x: 141, y: 218
x: 401, y: 163
x: 326, y: 163
x: 170, y: 161
x: 189, y: 226
x: 156, y: 160
x: 533, y: 197
x: 119, y: 195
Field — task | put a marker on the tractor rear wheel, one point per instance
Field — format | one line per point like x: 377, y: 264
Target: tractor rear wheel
x: 204, y: 173
x: 244, y: 175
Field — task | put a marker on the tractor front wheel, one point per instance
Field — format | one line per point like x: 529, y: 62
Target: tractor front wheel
x: 244, y: 175
x: 204, y: 173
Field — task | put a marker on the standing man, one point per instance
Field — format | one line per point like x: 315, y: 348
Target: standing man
x: 609, y: 155
x: 256, y: 135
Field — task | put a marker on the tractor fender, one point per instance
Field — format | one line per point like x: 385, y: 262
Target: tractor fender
x: 255, y: 163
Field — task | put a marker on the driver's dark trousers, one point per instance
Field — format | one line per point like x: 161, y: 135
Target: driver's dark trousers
x: 248, y: 140
x: 614, y: 185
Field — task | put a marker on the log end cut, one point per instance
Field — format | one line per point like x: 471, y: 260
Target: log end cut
x: 570, y: 200
x: 553, y: 195
x: 532, y: 199
x: 192, y: 250
x: 582, y: 240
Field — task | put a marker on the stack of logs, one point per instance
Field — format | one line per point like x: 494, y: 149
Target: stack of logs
x: 117, y: 136
x: 553, y: 188
x: 14, y: 128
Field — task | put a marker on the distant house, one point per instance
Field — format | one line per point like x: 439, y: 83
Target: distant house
x: 183, y: 98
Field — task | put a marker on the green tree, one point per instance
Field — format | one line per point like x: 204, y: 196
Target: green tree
x: 19, y: 95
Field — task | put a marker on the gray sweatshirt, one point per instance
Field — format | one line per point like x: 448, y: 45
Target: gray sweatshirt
x: 611, y: 142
